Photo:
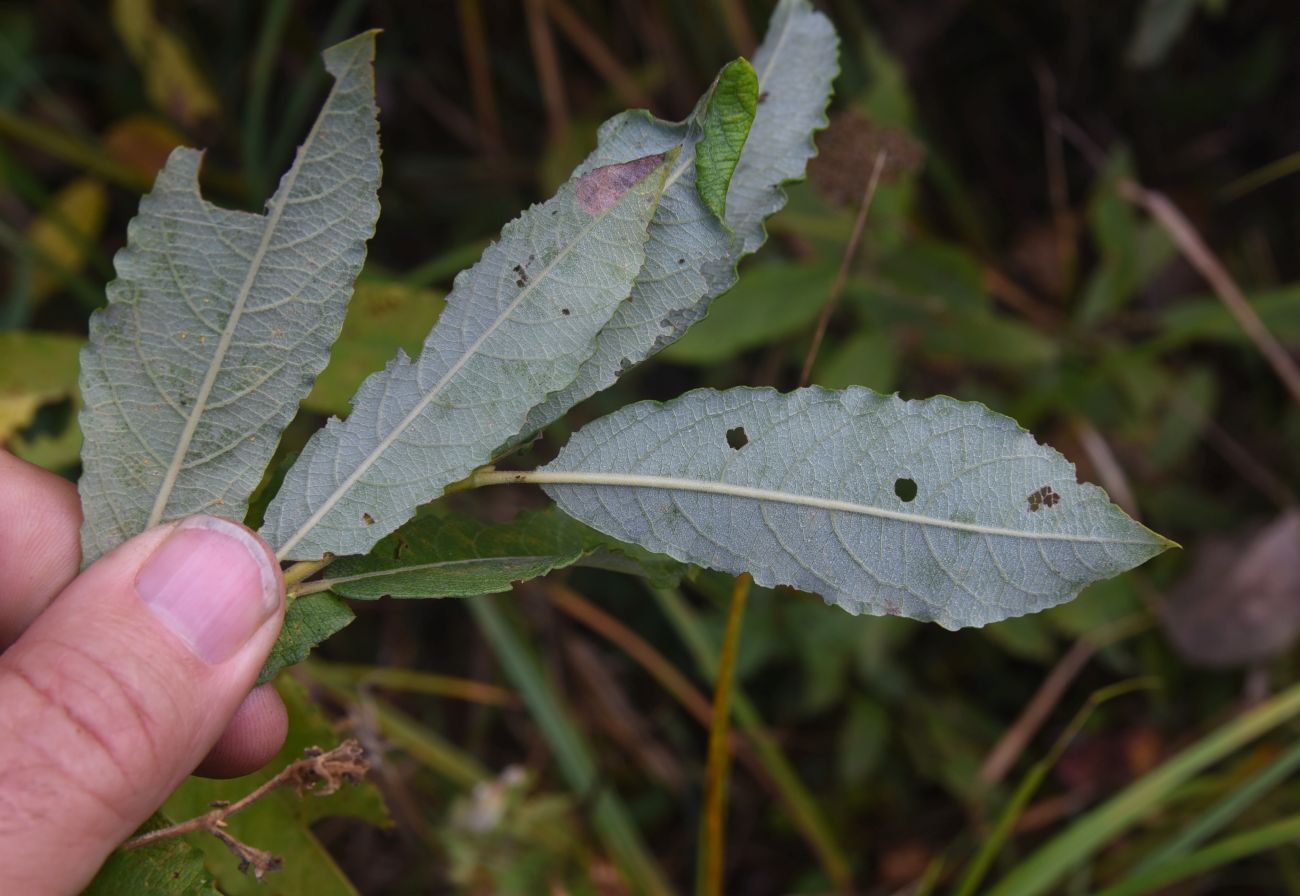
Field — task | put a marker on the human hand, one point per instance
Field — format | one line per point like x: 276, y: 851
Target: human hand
x: 117, y: 683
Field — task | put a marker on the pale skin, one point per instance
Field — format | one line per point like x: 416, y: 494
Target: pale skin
x: 104, y: 706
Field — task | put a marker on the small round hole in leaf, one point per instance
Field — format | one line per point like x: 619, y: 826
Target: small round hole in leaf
x: 736, y: 438
x: 905, y: 489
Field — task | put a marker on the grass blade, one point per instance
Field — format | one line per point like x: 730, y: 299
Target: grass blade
x: 1053, y: 861
x: 1230, y: 849
x: 1213, y: 820
x: 610, y: 819
x: 803, y: 809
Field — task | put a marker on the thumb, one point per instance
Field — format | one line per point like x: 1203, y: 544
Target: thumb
x: 118, y: 690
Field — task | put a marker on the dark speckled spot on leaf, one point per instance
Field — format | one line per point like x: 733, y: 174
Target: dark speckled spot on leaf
x: 599, y: 189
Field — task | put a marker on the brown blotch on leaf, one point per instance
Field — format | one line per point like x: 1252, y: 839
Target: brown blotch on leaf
x: 1044, y: 497
x: 599, y: 189
x: 367, y: 519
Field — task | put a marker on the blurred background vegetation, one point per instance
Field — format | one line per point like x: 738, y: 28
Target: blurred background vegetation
x: 553, y: 740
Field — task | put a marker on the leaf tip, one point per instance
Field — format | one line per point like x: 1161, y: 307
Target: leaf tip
x: 342, y: 56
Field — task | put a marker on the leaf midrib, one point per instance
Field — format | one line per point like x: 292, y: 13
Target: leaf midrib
x: 278, y: 203
x: 440, y: 564
x: 669, y: 483
x: 395, y: 433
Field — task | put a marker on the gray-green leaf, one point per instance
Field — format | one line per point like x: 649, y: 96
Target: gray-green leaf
x: 796, y: 63
x: 691, y: 258
x: 220, y: 320
x: 938, y: 510
x: 515, y: 329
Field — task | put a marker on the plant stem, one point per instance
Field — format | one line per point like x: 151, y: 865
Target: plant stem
x: 295, y: 574
x: 1207, y: 264
x: 846, y: 263
x: 346, y: 762
x: 803, y: 809
x: 713, y: 830
x: 1029, y: 785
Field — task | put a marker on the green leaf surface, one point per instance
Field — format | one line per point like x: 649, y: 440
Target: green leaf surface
x: 308, y: 621
x: 937, y: 510
x: 383, y: 318
x: 517, y: 326
x: 1205, y: 319
x: 990, y: 339
x: 727, y: 118
x: 866, y: 358
x: 280, y: 822
x: 691, y: 256
x: 220, y: 320
x: 35, y: 369
x: 771, y: 302
x: 166, y: 868
x: 1132, y: 248
x: 454, y: 556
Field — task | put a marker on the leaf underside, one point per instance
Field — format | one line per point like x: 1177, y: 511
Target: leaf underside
x: 219, y: 321
x: 515, y: 328
x: 937, y: 510
x: 691, y: 255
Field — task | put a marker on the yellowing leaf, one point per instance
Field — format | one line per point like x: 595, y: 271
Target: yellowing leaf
x: 173, y: 82
x: 61, y: 234
x: 35, y: 369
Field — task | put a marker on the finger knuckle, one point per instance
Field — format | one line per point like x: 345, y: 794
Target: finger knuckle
x: 83, y: 717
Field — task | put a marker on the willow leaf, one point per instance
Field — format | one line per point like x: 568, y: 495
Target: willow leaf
x: 691, y: 256
x: 308, y: 621
x: 219, y: 321
x: 453, y: 556
x: 796, y: 63
x: 440, y: 555
x: 938, y: 509
x: 724, y: 128
x: 515, y: 328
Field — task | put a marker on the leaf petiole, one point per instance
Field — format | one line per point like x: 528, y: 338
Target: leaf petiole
x: 298, y: 572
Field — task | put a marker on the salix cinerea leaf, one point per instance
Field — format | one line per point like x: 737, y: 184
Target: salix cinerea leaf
x: 445, y: 555
x: 938, y: 510
x: 515, y: 329
x: 724, y: 126
x: 796, y: 63
x: 691, y: 256
x: 219, y: 321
